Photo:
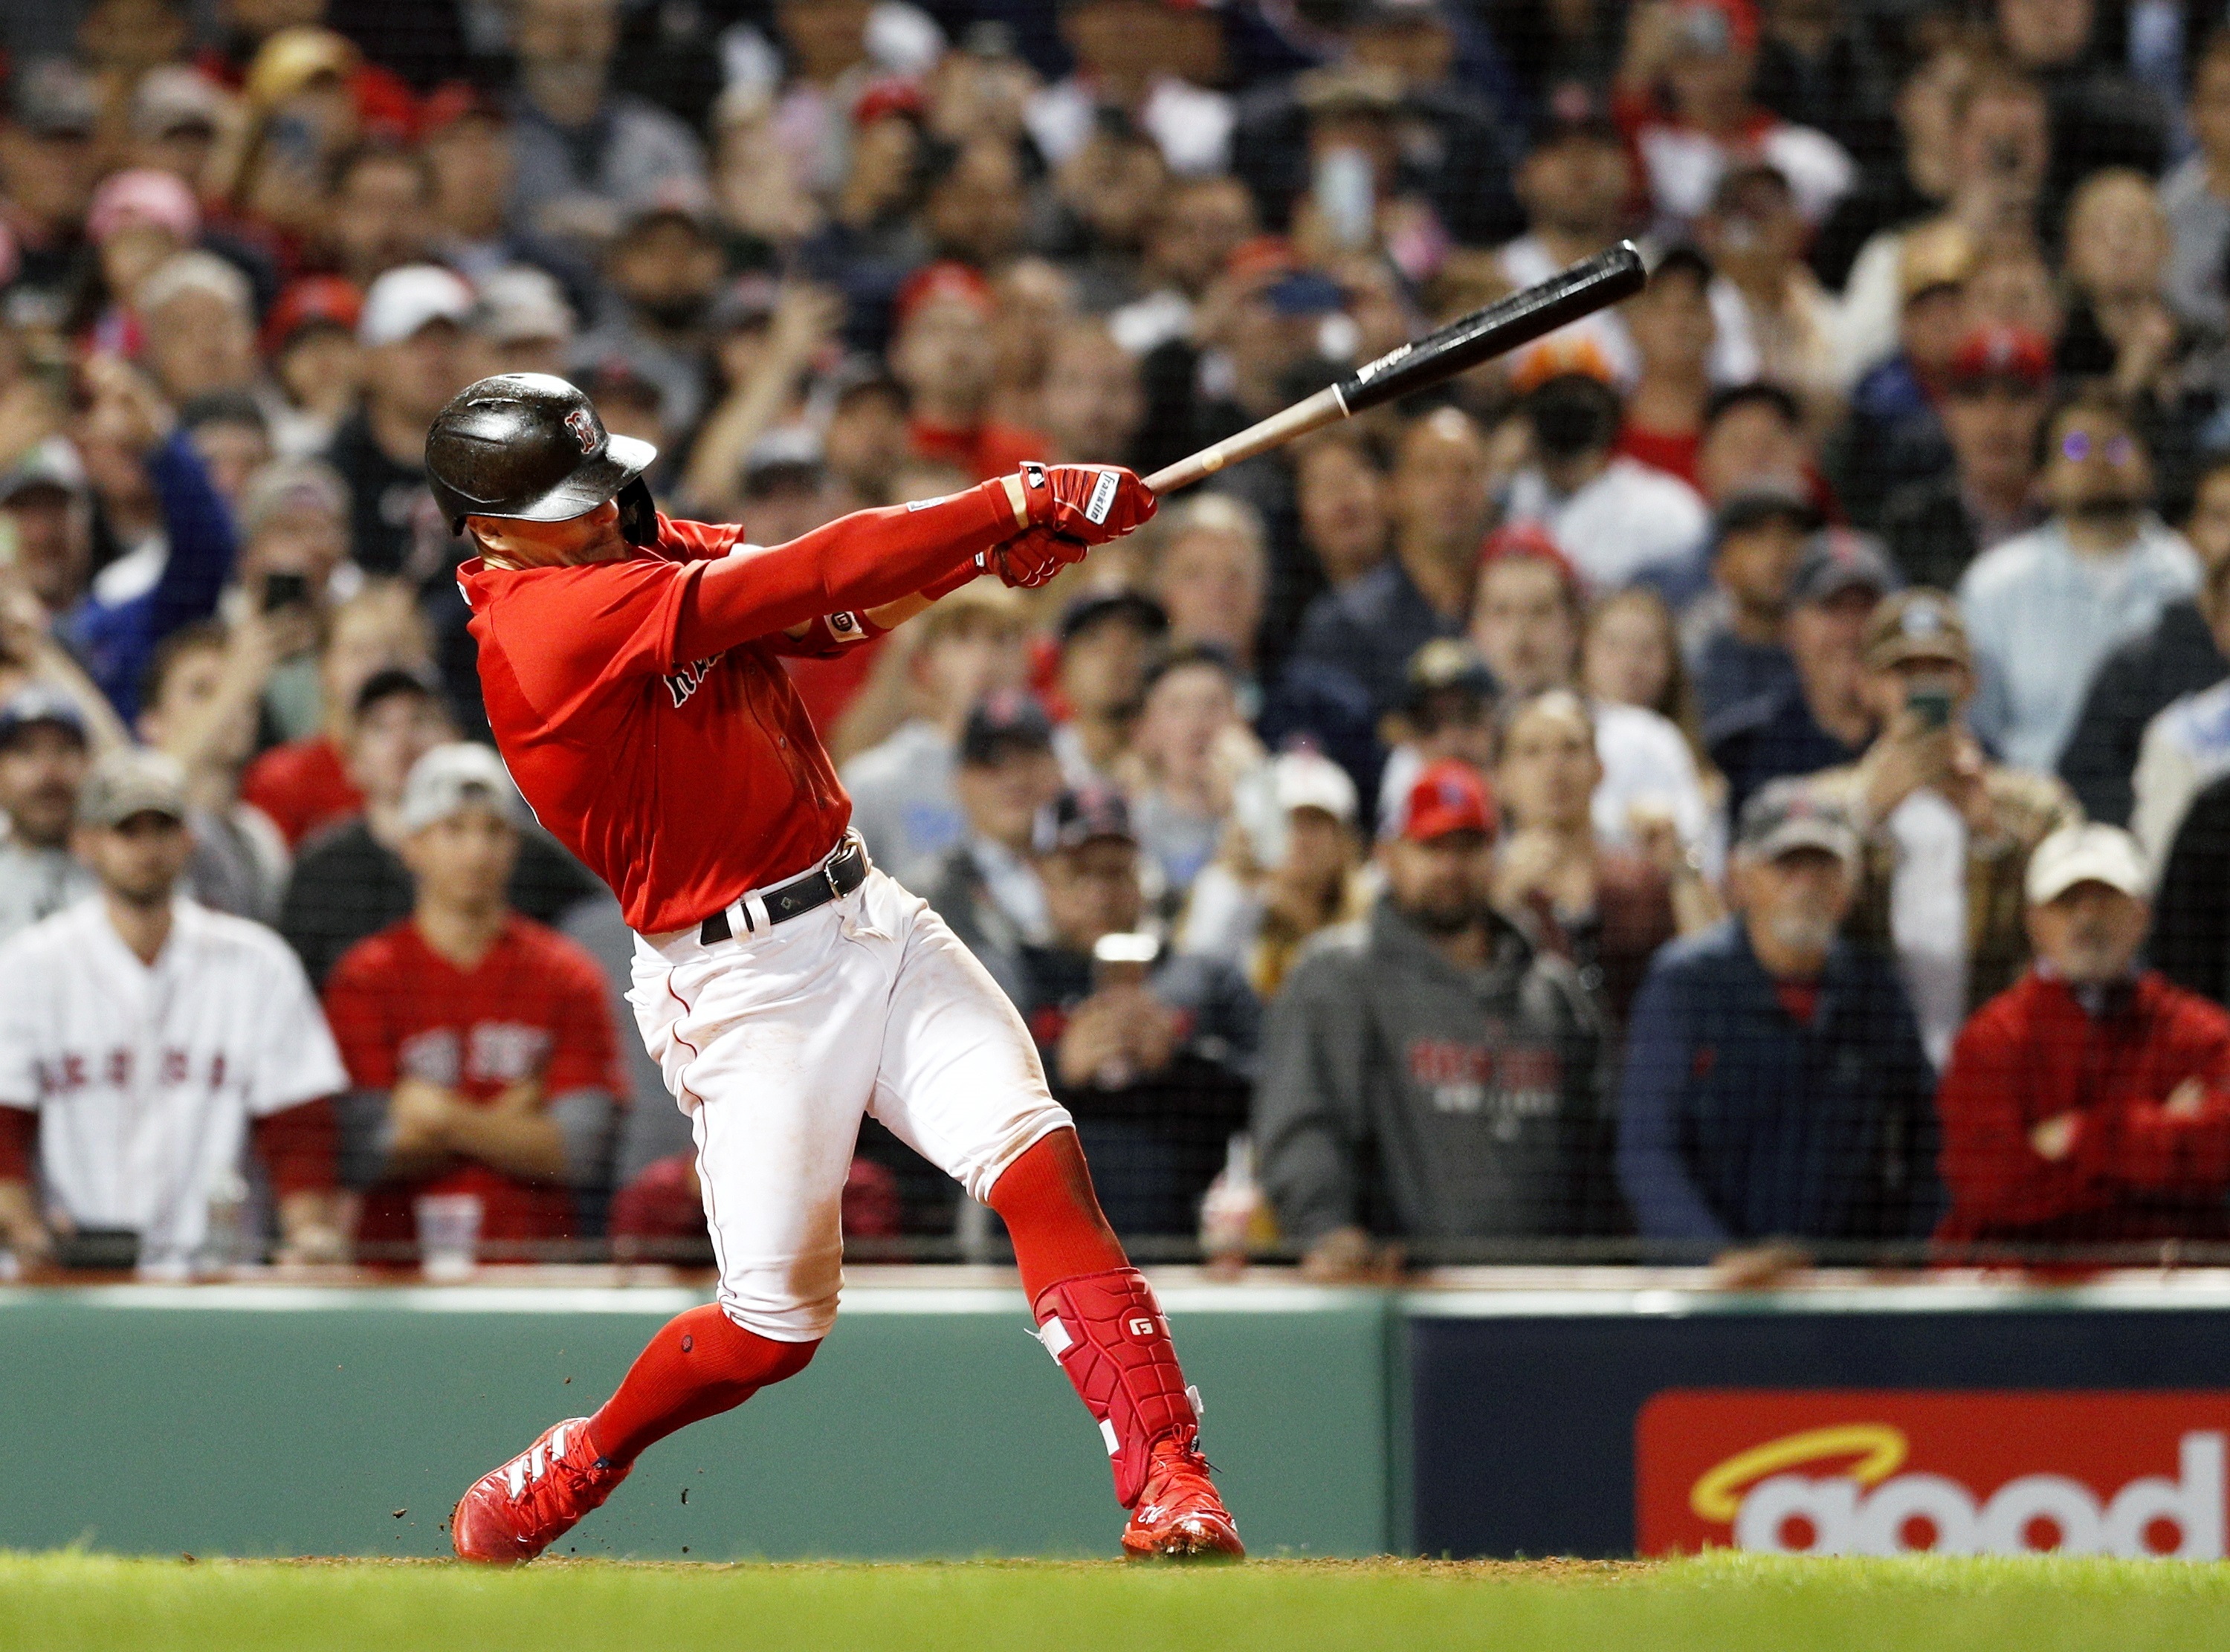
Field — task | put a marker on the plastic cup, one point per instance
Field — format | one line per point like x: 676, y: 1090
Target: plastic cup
x: 448, y: 1234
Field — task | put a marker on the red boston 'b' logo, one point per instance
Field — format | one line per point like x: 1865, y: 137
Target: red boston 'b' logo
x: 582, y: 424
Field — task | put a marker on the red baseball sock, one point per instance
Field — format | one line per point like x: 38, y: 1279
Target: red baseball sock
x: 1046, y: 1199
x: 700, y: 1364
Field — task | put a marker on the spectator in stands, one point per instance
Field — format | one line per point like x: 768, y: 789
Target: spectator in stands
x: 294, y: 554
x: 1188, y: 752
x: 1775, y: 322
x: 2100, y: 116
x: 1675, y: 338
x: 196, y: 314
x: 145, y: 1042
x: 1775, y: 1087
x: 1615, y: 518
x: 49, y: 164
x: 303, y: 785
x: 412, y: 333
x: 1108, y: 645
x: 1364, y: 632
x: 199, y: 705
x: 479, y: 1048
x: 1340, y: 493
x: 231, y: 436
x: 1892, y: 434
x: 2195, y: 195
x: 1995, y: 398
x: 2186, y: 746
x: 661, y: 275
x: 1151, y: 1052
x: 2044, y: 608
x: 1577, y: 185
x: 1211, y: 575
x: 1755, y: 439
x: 351, y: 882
x: 583, y: 152
x: 1947, y: 832
x: 986, y: 886
x: 1093, y: 401
x: 1429, y: 1076
x: 1822, y: 719
x: 1735, y: 648
x: 1605, y: 907
x: 521, y: 323
x: 1141, y: 60
x: 381, y: 209
x: 316, y: 365
x: 1684, y: 98
x: 970, y: 645
x: 1447, y: 710
x: 1290, y: 868
x: 44, y: 752
x: 1630, y: 655
x: 2089, y: 1103
x: 941, y: 352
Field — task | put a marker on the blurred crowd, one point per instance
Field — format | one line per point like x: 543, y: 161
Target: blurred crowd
x: 1747, y: 776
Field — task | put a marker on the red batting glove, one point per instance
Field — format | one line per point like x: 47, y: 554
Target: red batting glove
x: 1028, y: 560
x: 1088, y: 503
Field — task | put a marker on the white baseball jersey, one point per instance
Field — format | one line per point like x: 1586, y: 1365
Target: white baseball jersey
x: 145, y: 1078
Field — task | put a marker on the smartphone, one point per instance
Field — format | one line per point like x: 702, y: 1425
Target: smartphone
x: 1345, y: 187
x: 1122, y: 959
x: 1929, y: 703
x: 285, y: 590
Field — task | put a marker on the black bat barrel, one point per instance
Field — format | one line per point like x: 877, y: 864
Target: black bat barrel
x: 1591, y: 284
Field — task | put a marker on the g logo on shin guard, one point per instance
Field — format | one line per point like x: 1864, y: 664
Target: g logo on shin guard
x: 1141, y: 1327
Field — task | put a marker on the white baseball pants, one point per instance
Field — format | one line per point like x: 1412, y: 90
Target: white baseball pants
x: 777, y: 1043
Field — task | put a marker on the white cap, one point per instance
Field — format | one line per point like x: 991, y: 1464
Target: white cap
x: 2086, y: 854
x: 405, y: 300
x: 521, y: 302
x: 1305, y: 780
x: 448, y: 778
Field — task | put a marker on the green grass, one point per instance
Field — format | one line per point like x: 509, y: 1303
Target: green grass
x: 1720, y: 1604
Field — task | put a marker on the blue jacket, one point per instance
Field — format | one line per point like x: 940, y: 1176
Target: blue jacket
x: 114, y: 632
x: 1738, y: 1122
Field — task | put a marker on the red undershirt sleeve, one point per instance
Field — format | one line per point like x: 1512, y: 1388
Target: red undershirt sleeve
x: 300, y: 1146
x: 19, y: 1137
x: 855, y: 562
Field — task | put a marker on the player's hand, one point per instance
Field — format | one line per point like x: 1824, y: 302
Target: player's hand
x: 1029, y: 559
x: 2054, y: 1139
x: 1088, y: 503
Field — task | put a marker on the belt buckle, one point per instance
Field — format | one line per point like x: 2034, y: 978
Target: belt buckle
x: 828, y: 873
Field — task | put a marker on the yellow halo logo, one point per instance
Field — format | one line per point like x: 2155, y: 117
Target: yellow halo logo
x: 1881, y: 1450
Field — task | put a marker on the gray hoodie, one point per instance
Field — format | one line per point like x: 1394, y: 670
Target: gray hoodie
x: 1407, y: 1095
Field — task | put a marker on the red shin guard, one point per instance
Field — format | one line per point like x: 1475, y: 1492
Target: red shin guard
x: 1107, y: 1332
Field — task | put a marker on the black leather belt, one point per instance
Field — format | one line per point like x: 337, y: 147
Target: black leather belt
x: 832, y: 880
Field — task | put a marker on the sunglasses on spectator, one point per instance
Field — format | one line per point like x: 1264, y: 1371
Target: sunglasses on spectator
x: 2076, y: 445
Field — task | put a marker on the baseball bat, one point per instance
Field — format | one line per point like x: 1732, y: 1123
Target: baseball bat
x: 1587, y: 286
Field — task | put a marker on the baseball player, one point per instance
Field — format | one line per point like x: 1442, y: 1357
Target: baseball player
x: 632, y: 670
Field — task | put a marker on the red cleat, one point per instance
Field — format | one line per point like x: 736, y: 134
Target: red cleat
x: 1179, y: 1516
x: 515, y: 1513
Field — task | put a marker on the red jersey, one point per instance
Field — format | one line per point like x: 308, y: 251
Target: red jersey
x: 303, y: 786
x: 533, y: 1008
x: 642, y: 708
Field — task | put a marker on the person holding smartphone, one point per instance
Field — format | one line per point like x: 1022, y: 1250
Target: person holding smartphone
x: 1948, y: 833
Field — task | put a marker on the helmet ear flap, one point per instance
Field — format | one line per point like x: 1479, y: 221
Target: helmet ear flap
x: 638, y: 515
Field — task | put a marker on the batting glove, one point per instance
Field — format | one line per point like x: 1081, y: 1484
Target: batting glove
x: 1028, y: 560
x: 1087, y: 504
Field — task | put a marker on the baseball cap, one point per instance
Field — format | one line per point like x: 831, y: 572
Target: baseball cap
x: 1996, y: 352
x: 1089, y: 613
x: 450, y: 777
x: 1007, y: 721
x: 1785, y: 815
x: 521, y: 302
x: 395, y: 679
x: 1752, y: 506
x: 1934, y: 257
x: 1447, y: 666
x: 1572, y: 109
x: 313, y: 301
x: 1714, y: 27
x: 171, y: 97
x: 1449, y: 796
x: 1920, y: 624
x: 888, y: 94
x: 408, y: 298
x: 2092, y: 853
x: 291, y: 488
x: 747, y: 301
x: 36, y: 703
x: 452, y: 102
x: 132, y: 781
x: 54, y: 464
x: 1528, y: 541
x: 53, y: 98
x: 1836, y: 560
x: 1309, y: 780
x: 1085, y: 815
x: 946, y: 278
x: 143, y: 195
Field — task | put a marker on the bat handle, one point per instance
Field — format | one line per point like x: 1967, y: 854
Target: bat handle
x: 1323, y: 409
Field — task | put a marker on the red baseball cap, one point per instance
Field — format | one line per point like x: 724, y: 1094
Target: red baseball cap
x: 946, y: 278
x: 1998, y: 351
x: 1450, y: 795
x: 892, y: 95
x: 1527, y: 538
x: 314, y: 299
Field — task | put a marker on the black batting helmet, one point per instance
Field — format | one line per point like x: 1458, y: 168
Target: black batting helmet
x: 531, y: 447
